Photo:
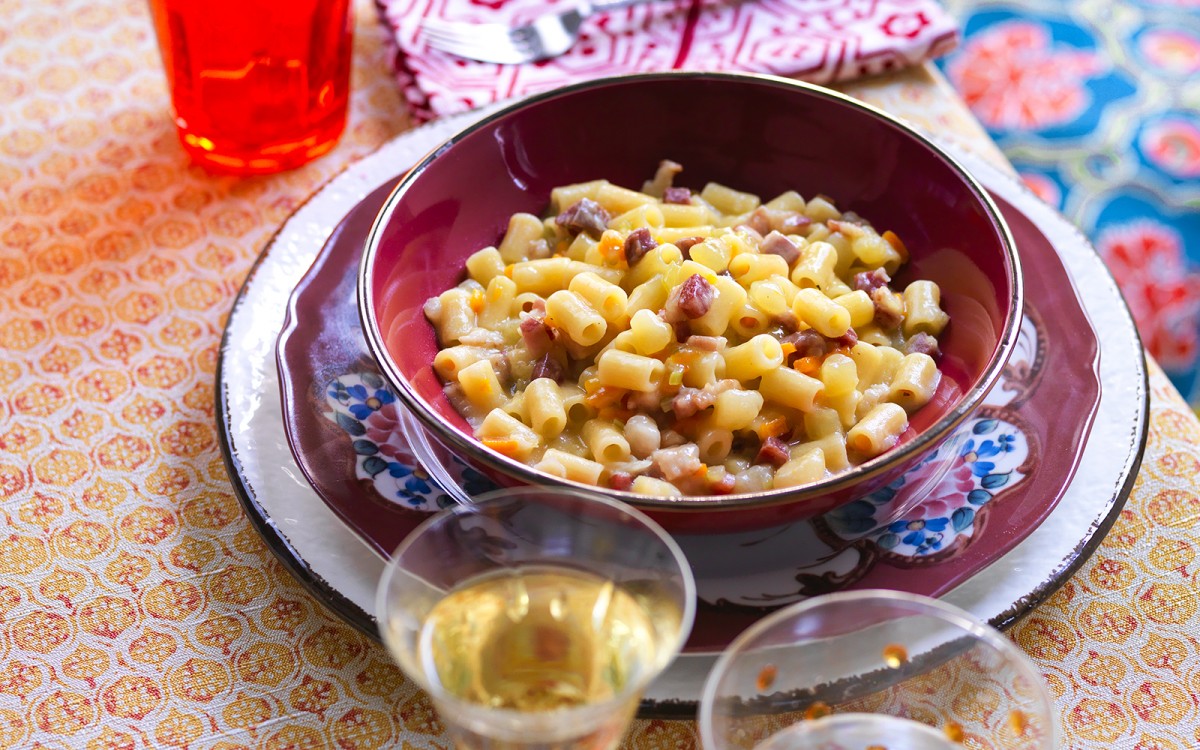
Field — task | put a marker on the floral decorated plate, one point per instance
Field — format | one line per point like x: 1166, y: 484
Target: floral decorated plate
x: 1040, y: 473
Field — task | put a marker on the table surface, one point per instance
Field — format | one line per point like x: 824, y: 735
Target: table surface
x: 138, y: 606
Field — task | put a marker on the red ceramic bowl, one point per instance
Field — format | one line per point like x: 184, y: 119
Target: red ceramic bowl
x: 753, y: 133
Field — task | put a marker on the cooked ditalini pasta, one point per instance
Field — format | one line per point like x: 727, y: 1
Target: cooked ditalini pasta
x: 788, y: 387
x: 754, y: 358
x: 714, y: 444
x: 858, y: 303
x: 839, y: 374
x: 923, y: 309
x: 727, y: 200
x: 824, y: 315
x: 815, y: 268
x: 712, y: 254
x: 729, y: 298
x: 629, y: 371
x: 846, y: 406
x: 449, y: 361
x: 646, y: 485
x: 660, y: 260
x: 606, y: 441
x: 789, y: 202
x: 679, y: 216
x: 806, y: 467
x: 565, y: 196
x: 821, y: 421
x: 665, y: 342
x: 570, y: 313
x: 915, y: 381
x: 748, y: 268
x: 605, y: 297
x: 574, y: 400
x: 480, y: 385
x: 769, y: 297
x: 878, y: 430
x: 833, y: 448
x: 523, y: 231
x: 867, y: 363
x: 506, y: 434
x: 544, y: 405
x: 515, y: 408
x: 569, y: 466
x: 750, y: 321
x: 704, y: 368
x: 617, y: 200
x: 820, y: 209
x: 645, y: 215
x: 650, y: 295
x: 485, y: 265
x: 649, y: 333
x: 736, y: 408
x: 451, y: 314
x: 497, y: 302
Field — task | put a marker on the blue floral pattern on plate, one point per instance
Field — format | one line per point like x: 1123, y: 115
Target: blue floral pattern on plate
x: 363, y: 406
x: 988, y: 462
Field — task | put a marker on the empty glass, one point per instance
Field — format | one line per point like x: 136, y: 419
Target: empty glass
x: 874, y: 670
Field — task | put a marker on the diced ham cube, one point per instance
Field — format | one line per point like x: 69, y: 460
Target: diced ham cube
x: 774, y: 452
x: 680, y: 196
x: 776, y: 244
x: 637, y: 244
x: 691, y: 299
x: 922, y: 343
x: 585, y: 215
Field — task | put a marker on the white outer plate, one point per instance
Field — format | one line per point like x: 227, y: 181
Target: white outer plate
x: 342, y: 570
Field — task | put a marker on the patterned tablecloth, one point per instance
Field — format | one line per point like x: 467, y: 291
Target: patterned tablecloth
x: 138, y: 606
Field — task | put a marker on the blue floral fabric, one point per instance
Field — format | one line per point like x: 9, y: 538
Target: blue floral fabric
x: 1097, y: 105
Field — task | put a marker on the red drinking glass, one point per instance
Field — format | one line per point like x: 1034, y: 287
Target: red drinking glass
x: 257, y: 86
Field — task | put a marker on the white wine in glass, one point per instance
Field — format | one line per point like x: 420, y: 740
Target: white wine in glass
x: 539, y: 638
x: 535, y: 618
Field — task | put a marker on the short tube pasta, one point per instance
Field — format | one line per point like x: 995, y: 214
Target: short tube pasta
x: 787, y: 387
x: 605, y: 297
x: 571, y: 313
x: 754, y: 358
x: 606, y: 441
x: 807, y: 467
x: 815, y: 267
x: 735, y: 409
x: 508, y: 435
x: 826, y: 316
x: 915, y: 381
x: 523, y: 230
x: 923, y: 309
x: 650, y: 333
x: 569, y: 466
x: 714, y: 444
x: 544, y: 404
x: 480, y: 385
x: 631, y: 371
x: 878, y: 431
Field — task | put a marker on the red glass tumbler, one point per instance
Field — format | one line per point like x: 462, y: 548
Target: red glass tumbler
x: 257, y: 86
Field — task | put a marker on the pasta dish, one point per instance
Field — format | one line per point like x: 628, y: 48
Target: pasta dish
x: 666, y: 341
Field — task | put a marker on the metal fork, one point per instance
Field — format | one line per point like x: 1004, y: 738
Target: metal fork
x: 547, y: 36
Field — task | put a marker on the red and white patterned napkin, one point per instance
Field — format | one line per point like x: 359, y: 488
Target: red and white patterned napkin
x: 821, y: 41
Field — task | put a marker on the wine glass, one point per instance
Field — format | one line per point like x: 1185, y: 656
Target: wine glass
x: 874, y: 670
x: 536, y: 617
